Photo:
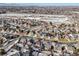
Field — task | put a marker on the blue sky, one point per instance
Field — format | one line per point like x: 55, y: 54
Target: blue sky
x: 39, y: 4
x: 55, y: 4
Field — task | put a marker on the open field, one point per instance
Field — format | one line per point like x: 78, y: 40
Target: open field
x: 39, y: 31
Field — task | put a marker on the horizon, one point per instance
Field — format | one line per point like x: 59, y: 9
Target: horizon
x: 39, y: 4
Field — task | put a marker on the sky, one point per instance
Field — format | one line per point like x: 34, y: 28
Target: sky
x: 39, y: 4
x: 39, y: 1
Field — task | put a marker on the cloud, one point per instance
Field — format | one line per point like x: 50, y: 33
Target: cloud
x: 39, y: 1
